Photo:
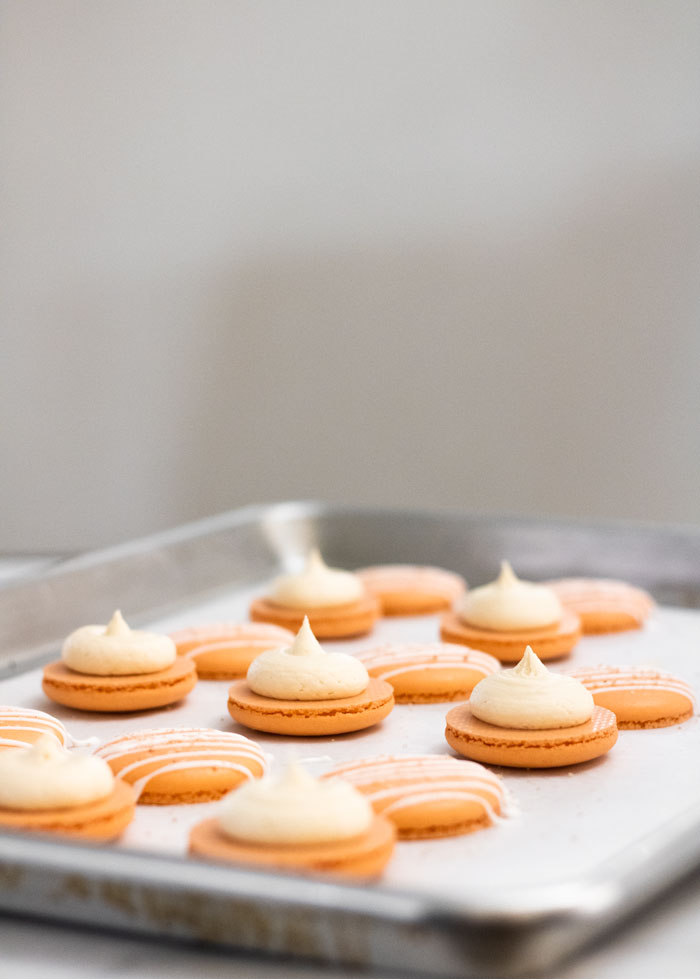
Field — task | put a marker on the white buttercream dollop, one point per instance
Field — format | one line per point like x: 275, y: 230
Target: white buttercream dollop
x: 529, y: 697
x: 117, y: 650
x: 46, y: 776
x: 508, y: 604
x: 317, y: 586
x: 305, y: 671
x: 295, y: 808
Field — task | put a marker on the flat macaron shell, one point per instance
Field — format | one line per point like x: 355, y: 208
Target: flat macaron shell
x: 514, y: 748
x: 225, y: 651
x: 407, y: 589
x: 101, y: 820
x: 19, y: 727
x: 362, y: 856
x: 331, y: 622
x: 604, y: 605
x: 183, y: 765
x: 639, y: 698
x: 135, y: 691
x: 553, y: 642
x: 427, y: 795
x: 311, y: 718
x: 428, y: 672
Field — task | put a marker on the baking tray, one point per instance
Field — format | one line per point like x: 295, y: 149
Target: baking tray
x: 481, y: 923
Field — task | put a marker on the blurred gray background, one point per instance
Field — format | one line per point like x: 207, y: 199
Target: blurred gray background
x: 437, y: 254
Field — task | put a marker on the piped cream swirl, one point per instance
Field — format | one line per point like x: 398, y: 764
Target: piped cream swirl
x: 529, y: 697
x: 317, y: 586
x: 117, y: 650
x: 295, y: 808
x: 305, y: 671
x: 46, y: 776
x: 509, y: 604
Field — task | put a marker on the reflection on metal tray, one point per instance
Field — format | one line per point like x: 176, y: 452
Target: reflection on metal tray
x: 496, y: 931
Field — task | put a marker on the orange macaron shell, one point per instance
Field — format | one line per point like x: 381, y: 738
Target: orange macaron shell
x: 327, y: 622
x: 179, y: 766
x: 119, y: 694
x: 639, y: 697
x: 517, y: 748
x: 104, y: 819
x: 406, y: 589
x: 427, y: 796
x: 21, y: 726
x: 552, y: 642
x: 425, y: 673
x: 311, y: 718
x: 362, y: 856
x: 224, y: 651
x: 604, y: 605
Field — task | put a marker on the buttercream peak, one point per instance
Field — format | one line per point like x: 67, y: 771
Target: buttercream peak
x: 117, y: 625
x: 314, y: 561
x: 46, y: 747
x: 530, y: 664
x: 305, y: 642
x: 507, y: 576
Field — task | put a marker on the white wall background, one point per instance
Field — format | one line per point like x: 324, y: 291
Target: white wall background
x: 424, y: 253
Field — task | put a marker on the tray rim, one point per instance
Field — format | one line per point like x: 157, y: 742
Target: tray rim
x: 569, y: 913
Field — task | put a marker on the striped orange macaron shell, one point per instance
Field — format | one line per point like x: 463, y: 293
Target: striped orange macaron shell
x: 422, y: 673
x: 639, y: 696
x: 412, y: 589
x: 603, y: 604
x: 20, y: 726
x: 169, y: 766
x: 225, y: 650
x: 427, y: 795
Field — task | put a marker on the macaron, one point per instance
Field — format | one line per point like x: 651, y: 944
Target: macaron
x: 639, y: 696
x: 119, y: 694
x: 602, y: 604
x: 302, y: 690
x: 311, y: 718
x: 411, y: 589
x: 423, y: 673
x: 173, y: 766
x: 363, y: 856
x: 551, y: 642
x: 224, y: 651
x: 102, y: 820
x: 518, y: 748
x: 335, y: 601
x: 427, y: 796
x: 20, y: 726
x: 113, y: 668
x: 297, y: 823
x: 328, y: 622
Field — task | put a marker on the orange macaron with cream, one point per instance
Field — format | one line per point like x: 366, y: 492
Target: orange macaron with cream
x: 45, y: 788
x: 529, y: 717
x: 412, y: 589
x: 297, y: 823
x: 115, y: 668
x: 503, y: 617
x: 336, y: 602
x: 303, y: 690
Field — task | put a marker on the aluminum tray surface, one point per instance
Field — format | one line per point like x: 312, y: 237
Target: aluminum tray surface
x: 583, y: 846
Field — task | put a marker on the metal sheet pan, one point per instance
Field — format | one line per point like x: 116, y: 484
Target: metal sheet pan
x: 475, y: 929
